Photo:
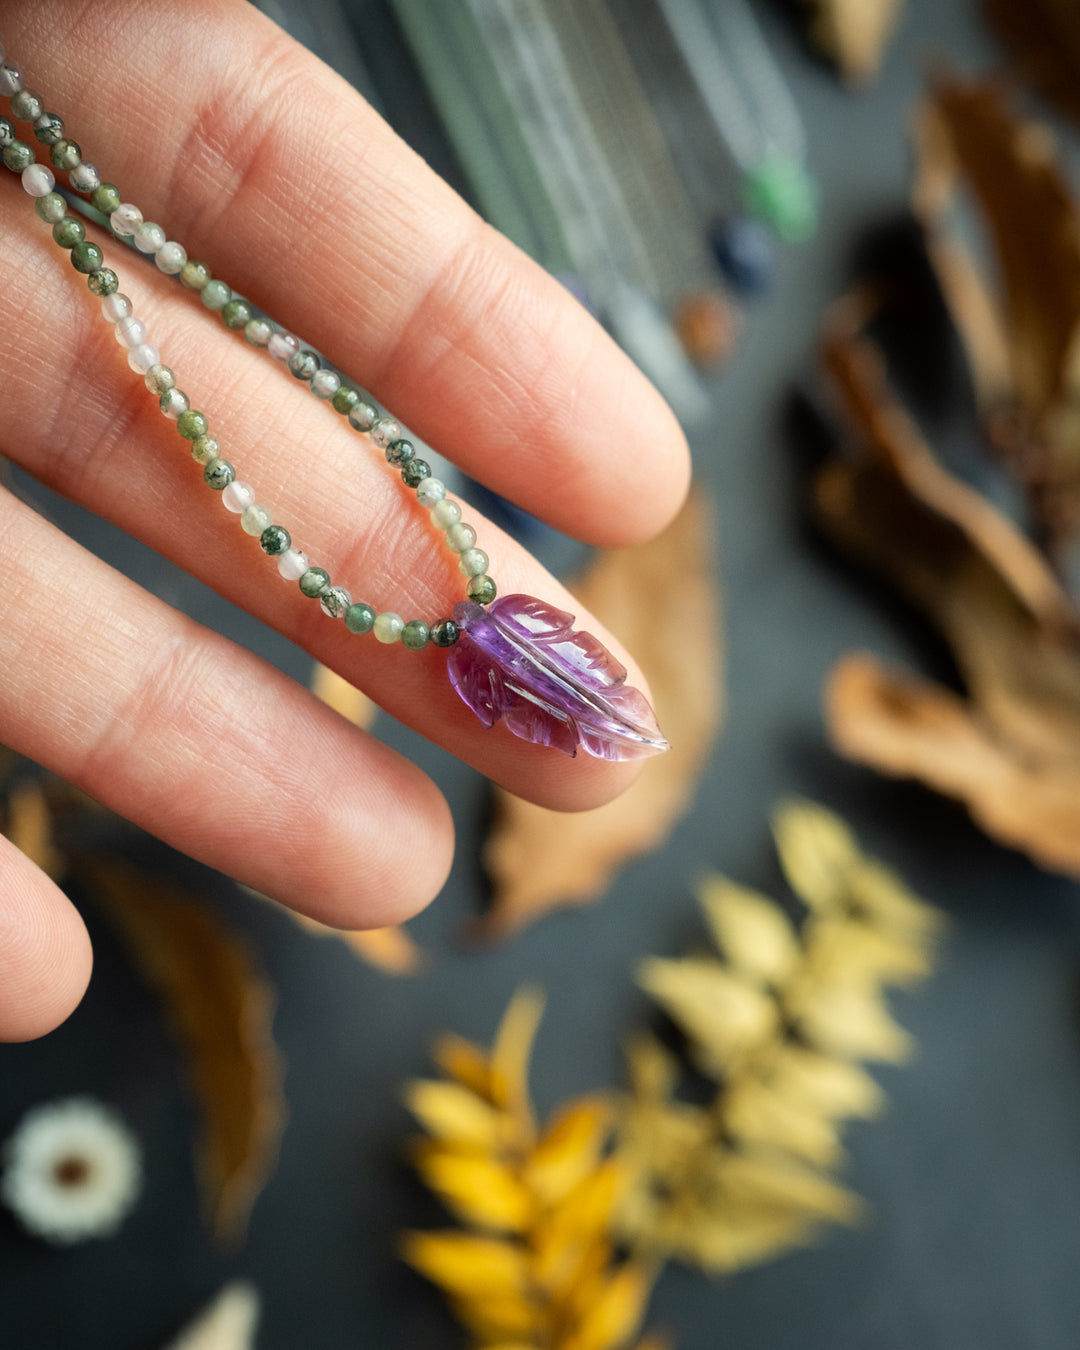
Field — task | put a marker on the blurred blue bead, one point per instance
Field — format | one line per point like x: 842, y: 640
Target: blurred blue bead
x: 743, y: 250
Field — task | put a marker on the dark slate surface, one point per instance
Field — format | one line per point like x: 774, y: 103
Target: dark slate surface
x: 973, y: 1176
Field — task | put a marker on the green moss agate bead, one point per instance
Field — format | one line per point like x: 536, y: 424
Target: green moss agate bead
x: 314, y: 581
x: 26, y: 105
x: 103, y: 282
x: 482, y: 590
x: 159, y: 380
x: 445, y: 632
x: 415, y: 635
x: 275, y: 539
x: 18, y: 156
x: 105, y: 198
x: 254, y: 519
x: 414, y: 473
x: 218, y: 474
x: 236, y: 313
x: 259, y: 332
x: 191, y: 424
x: 345, y: 400
x: 51, y: 208
x: 49, y: 128
x: 203, y: 448
x: 399, y: 453
x: 68, y: 232
x: 66, y: 154
x: 194, y: 275
x: 359, y: 618
x: 86, y: 257
x: 304, y: 365
x: 216, y: 295
x: 7, y: 131
x: 363, y: 415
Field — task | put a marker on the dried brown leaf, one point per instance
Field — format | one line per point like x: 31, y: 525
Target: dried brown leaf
x: 848, y: 1022
x: 767, y: 1179
x: 1042, y: 39
x: 756, y: 936
x: 540, y: 860
x: 835, y: 1087
x: 390, y: 949
x: 753, y: 1111
x: 221, y: 1008
x: 855, y: 33
x: 29, y: 826
x: 512, y: 1050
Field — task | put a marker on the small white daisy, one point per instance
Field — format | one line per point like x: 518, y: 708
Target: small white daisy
x: 72, y: 1170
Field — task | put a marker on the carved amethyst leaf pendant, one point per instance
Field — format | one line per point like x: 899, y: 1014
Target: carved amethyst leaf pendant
x: 522, y: 661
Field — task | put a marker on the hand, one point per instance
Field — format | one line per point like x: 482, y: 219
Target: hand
x: 260, y: 161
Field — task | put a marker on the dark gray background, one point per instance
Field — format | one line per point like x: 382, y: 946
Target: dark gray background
x: 973, y: 1176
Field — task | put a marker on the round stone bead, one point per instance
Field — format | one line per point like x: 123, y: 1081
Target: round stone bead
x: 38, y: 180
x: 445, y: 514
x: 360, y: 618
x: 274, y: 540
x: 482, y: 590
x: 292, y: 564
x: 473, y: 562
x: 218, y: 474
x: 117, y: 307
x: 192, y: 424
x: 86, y: 257
x: 49, y: 128
x: 26, y: 105
x: 216, y: 295
x: 11, y: 79
x: 384, y: 431
x: 459, y: 537
x: 142, y: 357
x: 345, y: 399
x: 258, y: 332
x: 7, y: 131
x: 194, y: 275
x: 105, y: 198
x: 160, y: 379
x: 325, y: 383
x: 744, y: 253
x: 237, y: 497
x: 335, y: 602
x: 314, y: 581
x: 363, y: 415
x: 445, y: 633
x: 415, y: 635
x: 51, y: 208
x: 204, y: 449
x: 149, y: 237
x: 304, y: 365
x: 388, y: 627
x: 130, y: 332
x: 103, y: 282
x: 236, y: 313
x: 68, y: 232
x: 780, y: 192
x: 414, y: 473
x: 283, y: 347
x: 18, y: 156
x: 430, y: 492
x: 85, y: 177
x: 126, y: 219
x: 399, y: 453
x: 66, y: 154
x: 174, y: 402
x: 255, y: 520
x: 170, y: 258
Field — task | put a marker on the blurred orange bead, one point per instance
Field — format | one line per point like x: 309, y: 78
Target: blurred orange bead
x: 707, y: 325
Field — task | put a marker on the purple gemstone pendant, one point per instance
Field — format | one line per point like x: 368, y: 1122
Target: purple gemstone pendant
x: 522, y: 660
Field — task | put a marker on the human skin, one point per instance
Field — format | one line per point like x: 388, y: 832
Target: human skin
x: 261, y: 161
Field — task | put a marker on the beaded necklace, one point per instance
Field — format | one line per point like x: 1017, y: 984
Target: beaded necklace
x: 516, y: 659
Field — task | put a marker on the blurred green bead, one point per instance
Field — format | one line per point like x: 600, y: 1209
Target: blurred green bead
x: 194, y: 275
x: 203, y: 448
x: 86, y: 257
x: 415, y: 635
x: 236, y: 313
x: 346, y: 399
x: 105, y: 198
x: 360, y: 618
x: 69, y: 232
x: 18, y: 156
x: 66, y: 154
x: 781, y: 193
x: 103, y: 282
x: 481, y: 589
x: 314, y: 581
x: 216, y: 295
x: 191, y: 425
x: 51, y: 208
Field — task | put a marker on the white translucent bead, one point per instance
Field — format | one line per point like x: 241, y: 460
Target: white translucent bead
x: 115, y: 307
x: 384, y: 431
x: 11, y: 79
x: 255, y: 519
x: 445, y: 514
x: 143, y: 357
x: 430, y: 492
x: 38, y: 180
x: 129, y: 331
x: 283, y: 346
x: 237, y: 497
x: 388, y: 627
x: 292, y: 564
x: 460, y: 537
x: 171, y: 257
x: 174, y: 402
x: 126, y: 219
x: 473, y: 562
x: 335, y: 601
x: 149, y: 237
x: 85, y: 177
x: 325, y: 384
